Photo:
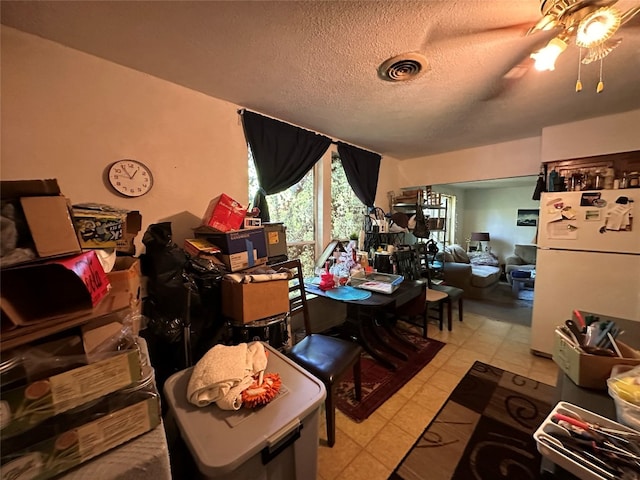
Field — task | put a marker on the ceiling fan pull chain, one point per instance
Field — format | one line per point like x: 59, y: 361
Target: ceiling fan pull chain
x: 600, y: 86
x: 578, y: 82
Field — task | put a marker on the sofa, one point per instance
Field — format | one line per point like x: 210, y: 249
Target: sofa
x: 523, y: 258
x: 477, y: 273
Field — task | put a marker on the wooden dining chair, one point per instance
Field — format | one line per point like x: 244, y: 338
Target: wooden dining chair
x: 454, y: 294
x: 408, y: 265
x: 327, y: 358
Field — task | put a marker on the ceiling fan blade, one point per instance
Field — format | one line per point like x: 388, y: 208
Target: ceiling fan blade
x: 522, y: 63
x: 629, y: 14
x: 509, y: 80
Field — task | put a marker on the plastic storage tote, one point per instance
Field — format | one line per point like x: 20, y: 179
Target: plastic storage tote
x: 278, y: 441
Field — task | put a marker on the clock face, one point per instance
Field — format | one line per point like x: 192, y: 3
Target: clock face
x: 130, y: 178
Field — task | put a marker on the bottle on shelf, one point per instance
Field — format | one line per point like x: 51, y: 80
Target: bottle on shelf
x: 587, y: 179
x: 553, y: 181
x: 598, y: 180
x: 624, y: 180
x: 609, y: 175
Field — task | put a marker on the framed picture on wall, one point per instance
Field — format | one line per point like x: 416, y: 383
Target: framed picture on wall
x: 527, y: 218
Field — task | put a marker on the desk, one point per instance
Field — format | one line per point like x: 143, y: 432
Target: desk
x: 368, y: 317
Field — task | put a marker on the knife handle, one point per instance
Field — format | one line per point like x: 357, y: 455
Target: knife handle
x: 573, y: 327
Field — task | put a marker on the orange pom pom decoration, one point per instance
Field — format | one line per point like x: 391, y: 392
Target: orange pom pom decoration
x: 261, y: 394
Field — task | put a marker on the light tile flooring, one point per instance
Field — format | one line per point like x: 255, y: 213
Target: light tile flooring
x: 371, y: 449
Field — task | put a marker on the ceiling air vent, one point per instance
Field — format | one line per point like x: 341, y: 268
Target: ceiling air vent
x: 403, y: 67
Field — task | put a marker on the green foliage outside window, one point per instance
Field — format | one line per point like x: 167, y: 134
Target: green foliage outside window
x: 294, y: 208
x: 347, y: 211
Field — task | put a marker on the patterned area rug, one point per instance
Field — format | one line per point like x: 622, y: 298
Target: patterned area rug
x: 380, y: 383
x: 483, y: 431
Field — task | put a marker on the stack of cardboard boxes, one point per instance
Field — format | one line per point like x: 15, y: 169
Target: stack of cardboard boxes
x: 244, y: 250
x: 74, y: 380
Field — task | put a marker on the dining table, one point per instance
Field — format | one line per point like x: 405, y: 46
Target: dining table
x: 370, y: 321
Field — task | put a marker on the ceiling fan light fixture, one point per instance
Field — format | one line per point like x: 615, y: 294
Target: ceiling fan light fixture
x: 545, y: 23
x: 598, y: 27
x: 545, y: 58
x: 600, y: 51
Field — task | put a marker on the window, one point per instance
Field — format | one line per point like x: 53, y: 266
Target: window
x: 452, y: 218
x: 446, y: 236
x: 347, y: 211
x: 295, y: 209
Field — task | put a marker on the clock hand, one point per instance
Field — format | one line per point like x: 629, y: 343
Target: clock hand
x: 134, y: 174
x: 124, y: 169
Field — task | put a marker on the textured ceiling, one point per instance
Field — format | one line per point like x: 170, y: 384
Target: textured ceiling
x: 314, y: 64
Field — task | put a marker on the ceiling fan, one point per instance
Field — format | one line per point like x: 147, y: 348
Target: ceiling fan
x: 589, y: 24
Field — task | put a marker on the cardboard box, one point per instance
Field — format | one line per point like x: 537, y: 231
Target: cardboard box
x: 276, y: 239
x: 125, y: 298
x: 59, y: 452
x: 125, y: 283
x: 224, y: 214
x: 241, y: 261
x: 31, y: 404
x: 106, y: 332
x: 40, y: 205
x: 590, y: 371
x: 235, y: 241
x: 200, y: 246
x: 52, y: 289
x: 247, y: 302
x: 102, y: 226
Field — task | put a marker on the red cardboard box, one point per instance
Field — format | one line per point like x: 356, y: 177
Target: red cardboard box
x: 52, y: 289
x: 224, y: 214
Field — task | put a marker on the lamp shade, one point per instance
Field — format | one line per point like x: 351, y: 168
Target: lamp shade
x: 480, y: 237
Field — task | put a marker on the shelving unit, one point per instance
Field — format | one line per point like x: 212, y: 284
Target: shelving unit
x: 435, y: 209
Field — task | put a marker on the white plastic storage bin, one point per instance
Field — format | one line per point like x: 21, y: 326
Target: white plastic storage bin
x: 278, y: 441
x: 581, y: 466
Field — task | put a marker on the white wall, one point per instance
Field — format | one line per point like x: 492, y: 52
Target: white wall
x: 596, y: 136
x: 68, y: 115
x: 494, y: 210
x: 501, y: 160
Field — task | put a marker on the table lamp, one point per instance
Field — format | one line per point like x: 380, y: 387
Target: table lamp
x: 480, y: 237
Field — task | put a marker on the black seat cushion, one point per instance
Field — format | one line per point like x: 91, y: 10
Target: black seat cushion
x: 325, y: 357
x: 453, y: 292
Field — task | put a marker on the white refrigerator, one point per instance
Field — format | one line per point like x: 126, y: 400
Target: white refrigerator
x: 588, y: 259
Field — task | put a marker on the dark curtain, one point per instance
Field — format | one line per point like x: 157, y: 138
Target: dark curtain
x: 362, y: 169
x: 282, y: 154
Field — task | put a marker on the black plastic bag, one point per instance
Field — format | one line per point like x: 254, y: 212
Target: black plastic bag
x: 421, y: 230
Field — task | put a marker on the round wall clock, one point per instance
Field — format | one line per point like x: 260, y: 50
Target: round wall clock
x: 130, y: 177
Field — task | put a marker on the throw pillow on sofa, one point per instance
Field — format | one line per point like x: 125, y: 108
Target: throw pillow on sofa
x: 455, y: 253
x: 484, y: 258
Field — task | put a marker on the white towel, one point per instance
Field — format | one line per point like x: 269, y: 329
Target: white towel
x: 257, y: 277
x: 224, y: 372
